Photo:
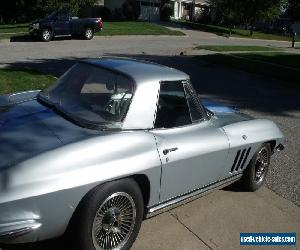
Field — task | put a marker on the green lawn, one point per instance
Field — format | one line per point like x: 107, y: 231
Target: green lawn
x: 5, y: 36
x: 260, y: 65
x: 224, y: 31
x: 15, y: 80
x: 14, y: 28
x: 109, y: 29
x: 135, y: 28
x: 233, y: 48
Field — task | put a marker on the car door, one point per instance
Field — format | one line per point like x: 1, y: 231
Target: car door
x: 193, y: 152
x: 62, y: 24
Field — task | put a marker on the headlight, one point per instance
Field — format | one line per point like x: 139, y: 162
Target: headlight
x: 36, y: 26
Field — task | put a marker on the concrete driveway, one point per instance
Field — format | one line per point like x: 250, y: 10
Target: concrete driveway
x: 214, y: 221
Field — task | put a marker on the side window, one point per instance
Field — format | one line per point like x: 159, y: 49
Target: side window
x: 194, y: 110
x: 63, y: 16
x: 172, y: 110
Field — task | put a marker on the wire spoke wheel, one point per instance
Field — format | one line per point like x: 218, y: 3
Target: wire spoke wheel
x: 261, y: 164
x: 114, y: 222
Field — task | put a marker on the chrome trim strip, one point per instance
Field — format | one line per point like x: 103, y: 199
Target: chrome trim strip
x: 18, y: 229
x: 180, y: 200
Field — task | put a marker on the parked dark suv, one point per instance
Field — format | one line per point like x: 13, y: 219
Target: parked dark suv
x: 61, y: 23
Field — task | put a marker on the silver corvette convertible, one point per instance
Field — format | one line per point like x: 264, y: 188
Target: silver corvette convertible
x: 112, y: 142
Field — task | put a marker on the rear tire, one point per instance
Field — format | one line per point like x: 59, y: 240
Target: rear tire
x: 88, y: 33
x: 46, y: 35
x: 256, y: 172
x: 109, y: 217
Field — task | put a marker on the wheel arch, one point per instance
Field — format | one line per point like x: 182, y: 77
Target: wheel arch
x: 52, y: 34
x: 48, y: 28
x: 89, y: 26
x: 272, y: 144
x: 142, y: 181
x: 144, y: 185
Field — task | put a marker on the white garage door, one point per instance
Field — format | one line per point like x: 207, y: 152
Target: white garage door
x: 149, y: 11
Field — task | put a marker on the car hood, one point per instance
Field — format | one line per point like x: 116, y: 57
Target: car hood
x: 29, y: 128
x: 224, y: 115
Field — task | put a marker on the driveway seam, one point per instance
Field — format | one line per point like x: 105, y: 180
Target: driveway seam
x: 186, y: 227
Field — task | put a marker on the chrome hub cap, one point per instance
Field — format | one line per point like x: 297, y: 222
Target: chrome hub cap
x: 88, y: 33
x: 261, y: 165
x: 114, y: 222
x: 46, y: 34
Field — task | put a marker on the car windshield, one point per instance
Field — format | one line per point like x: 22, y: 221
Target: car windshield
x: 92, y: 95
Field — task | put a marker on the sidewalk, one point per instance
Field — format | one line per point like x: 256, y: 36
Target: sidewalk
x: 216, y: 220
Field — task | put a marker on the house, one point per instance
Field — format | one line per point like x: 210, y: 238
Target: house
x: 186, y: 9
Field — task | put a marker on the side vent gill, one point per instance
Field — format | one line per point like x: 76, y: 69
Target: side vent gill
x: 240, y: 160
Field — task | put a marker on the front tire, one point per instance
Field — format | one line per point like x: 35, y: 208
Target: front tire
x: 256, y: 172
x: 110, y: 216
x: 46, y: 35
x: 88, y: 33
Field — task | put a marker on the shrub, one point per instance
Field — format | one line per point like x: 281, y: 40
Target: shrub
x: 131, y: 9
x: 166, y: 12
x: 95, y: 11
x: 203, y: 16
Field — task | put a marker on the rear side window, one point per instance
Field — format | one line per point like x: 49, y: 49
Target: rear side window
x: 172, y: 110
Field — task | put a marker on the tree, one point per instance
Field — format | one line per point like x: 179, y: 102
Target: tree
x: 228, y: 11
x: 71, y: 5
x: 12, y: 9
x: 248, y: 12
x: 166, y: 12
x: 131, y: 9
x: 261, y: 9
x: 293, y: 10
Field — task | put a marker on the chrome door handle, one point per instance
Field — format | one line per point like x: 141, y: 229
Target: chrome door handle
x: 166, y: 151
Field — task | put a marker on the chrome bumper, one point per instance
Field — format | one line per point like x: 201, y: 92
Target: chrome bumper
x: 279, y: 148
x: 10, y: 231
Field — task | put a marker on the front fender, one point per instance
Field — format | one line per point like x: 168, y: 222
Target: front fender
x: 255, y: 131
x: 247, y: 136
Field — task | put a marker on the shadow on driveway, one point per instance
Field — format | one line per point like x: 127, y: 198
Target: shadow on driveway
x: 57, y: 244
x: 28, y: 38
x: 233, y: 87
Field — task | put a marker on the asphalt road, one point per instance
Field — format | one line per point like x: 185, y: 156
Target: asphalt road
x: 158, y: 45
x: 253, y: 94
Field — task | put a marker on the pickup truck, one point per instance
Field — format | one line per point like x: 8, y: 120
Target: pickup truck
x: 61, y: 23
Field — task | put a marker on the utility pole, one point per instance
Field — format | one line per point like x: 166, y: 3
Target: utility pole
x: 294, y: 39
